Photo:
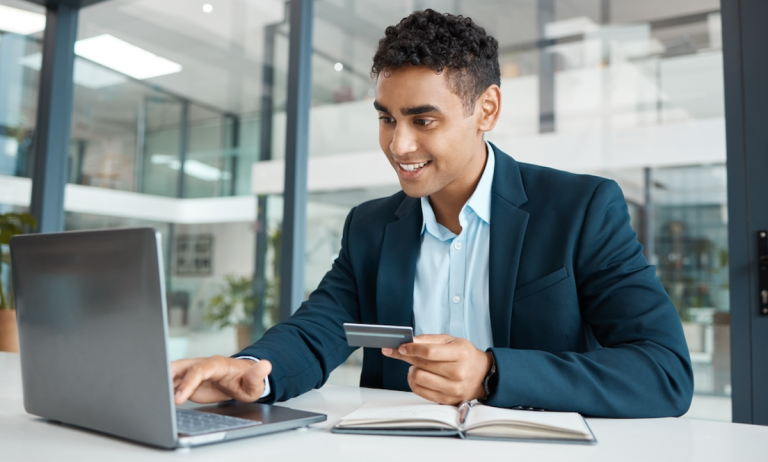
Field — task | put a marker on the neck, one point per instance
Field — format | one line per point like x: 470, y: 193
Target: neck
x: 448, y: 202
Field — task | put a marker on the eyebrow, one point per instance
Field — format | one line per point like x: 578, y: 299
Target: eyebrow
x: 423, y: 109
x: 379, y: 107
x: 419, y: 110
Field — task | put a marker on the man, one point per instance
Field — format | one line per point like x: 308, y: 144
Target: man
x: 527, y: 284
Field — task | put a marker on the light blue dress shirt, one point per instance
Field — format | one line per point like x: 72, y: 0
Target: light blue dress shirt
x: 450, y: 293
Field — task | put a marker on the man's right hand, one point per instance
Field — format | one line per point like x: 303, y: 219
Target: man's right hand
x: 214, y: 379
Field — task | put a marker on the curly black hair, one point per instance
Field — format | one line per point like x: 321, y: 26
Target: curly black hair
x: 442, y: 41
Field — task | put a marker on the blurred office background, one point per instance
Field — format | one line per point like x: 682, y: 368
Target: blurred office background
x: 179, y: 122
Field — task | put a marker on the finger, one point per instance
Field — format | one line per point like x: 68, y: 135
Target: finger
x: 395, y: 354
x: 435, y: 382
x: 185, y: 389
x: 193, y: 379
x: 179, y: 367
x: 418, y: 381
x: 443, y: 368
x: 433, y: 338
x: 424, y: 338
x: 450, y: 351
x: 208, y: 393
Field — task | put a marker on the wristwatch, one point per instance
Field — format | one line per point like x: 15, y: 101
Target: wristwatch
x: 489, y: 382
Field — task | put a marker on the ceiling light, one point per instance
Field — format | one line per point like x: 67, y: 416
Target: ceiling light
x: 207, y: 8
x: 192, y: 168
x: 123, y: 57
x: 338, y: 67
x: 11, y: 147
x: 160, y: 159
x: 20, y: 21
x: 86, y: 73
x: 204, y: 171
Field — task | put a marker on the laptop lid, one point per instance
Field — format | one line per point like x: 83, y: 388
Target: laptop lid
x: 92, y: 331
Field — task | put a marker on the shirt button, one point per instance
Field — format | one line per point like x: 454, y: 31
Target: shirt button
x: 457, y: 245
x: 456, y: 299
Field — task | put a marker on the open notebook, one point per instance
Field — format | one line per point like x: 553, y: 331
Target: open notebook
x: 480, y: 422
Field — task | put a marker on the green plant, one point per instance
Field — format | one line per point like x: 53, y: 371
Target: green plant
x: 234, y: 305
x: 12, y: 224
x: 722, y: 254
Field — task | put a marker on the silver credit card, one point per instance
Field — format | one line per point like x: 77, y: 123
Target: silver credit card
x: 376, y: 336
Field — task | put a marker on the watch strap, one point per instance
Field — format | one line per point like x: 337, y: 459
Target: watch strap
x: 487, y: 381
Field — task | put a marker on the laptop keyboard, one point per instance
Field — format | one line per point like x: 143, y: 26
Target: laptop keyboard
x: 191, y: 423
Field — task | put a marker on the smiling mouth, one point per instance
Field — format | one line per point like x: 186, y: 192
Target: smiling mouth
x: 412, y: 167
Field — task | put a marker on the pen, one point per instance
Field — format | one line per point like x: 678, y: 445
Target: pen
x: 463, y: 411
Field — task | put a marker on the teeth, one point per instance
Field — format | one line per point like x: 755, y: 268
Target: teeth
x: 412, y: 167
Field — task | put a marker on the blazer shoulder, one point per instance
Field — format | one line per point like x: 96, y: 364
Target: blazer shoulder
x: 537, y: 175
x: 566, y: 188
x: 377, y: 213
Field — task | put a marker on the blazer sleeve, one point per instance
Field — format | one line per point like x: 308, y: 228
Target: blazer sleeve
x: 305, y: 349
x: 642, y: 367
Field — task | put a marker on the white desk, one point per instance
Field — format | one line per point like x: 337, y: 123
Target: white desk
x: 27, y: 438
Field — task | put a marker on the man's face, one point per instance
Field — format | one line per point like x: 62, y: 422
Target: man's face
x: 424, y: 130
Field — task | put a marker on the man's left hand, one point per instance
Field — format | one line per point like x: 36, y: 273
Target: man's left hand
x: 444, y: 369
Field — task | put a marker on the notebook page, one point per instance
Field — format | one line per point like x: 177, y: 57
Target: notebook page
x: 382, y: 414
x: 525, y: 424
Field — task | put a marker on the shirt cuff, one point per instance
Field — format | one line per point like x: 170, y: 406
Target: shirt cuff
x: 267, y: 388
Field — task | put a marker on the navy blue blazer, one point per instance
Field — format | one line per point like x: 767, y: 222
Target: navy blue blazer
x: 580, y: 321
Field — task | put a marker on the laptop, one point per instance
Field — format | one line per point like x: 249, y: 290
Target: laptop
x: 94, y: 343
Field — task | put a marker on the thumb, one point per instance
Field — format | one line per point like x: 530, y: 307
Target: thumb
x: 252, y: 381
x: 433, y: 338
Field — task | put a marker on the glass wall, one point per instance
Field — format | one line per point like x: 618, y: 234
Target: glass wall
x: 182, y: 118
x: 690, y: 232
x: 168, y: 113
x: 167, y: 122
x: 628, y: 90
x: 21, y: 28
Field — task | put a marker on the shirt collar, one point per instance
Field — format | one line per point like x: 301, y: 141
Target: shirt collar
x: 479, y: 202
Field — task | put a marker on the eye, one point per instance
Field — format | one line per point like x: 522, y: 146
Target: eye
x: 422, y: 122
x: 387, y: 120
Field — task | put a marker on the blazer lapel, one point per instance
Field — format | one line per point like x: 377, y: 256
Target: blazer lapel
x: 395, y: 281
x: 508, y: 225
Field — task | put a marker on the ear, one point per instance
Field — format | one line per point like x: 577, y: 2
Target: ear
x: 489, y: 108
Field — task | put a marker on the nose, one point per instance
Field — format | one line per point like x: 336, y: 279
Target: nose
x: 403, y: 141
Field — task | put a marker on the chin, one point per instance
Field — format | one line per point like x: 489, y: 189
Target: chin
x: 414, y: 191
